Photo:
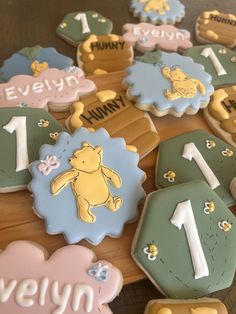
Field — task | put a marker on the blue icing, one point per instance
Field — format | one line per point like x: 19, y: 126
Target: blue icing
x: 60, y: 211
x: 176, y: 11
x: 147, y: 83
x: 20, y: 64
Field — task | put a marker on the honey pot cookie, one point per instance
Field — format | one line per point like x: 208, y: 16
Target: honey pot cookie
x: 90, y: 194
x: 113, y: 111
x: 168, y: 83
x: 216, y: 27
x: 103, y: 54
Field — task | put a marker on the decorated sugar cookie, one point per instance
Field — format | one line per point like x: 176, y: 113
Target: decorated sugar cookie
x: 195, y: 252
x: 218, y: 61
x: 113, y: 111
x: 221, y: 114
x: 168, y: 83
x: 52, y: 88
x: 22, y: 132
x: 192, y: 306
x: 147, y: 37
x: 216, y: 27
x: 77, y: 26
x: 32, y: 61
x: 158, y: 11
x: 197, y: 155
x: 104, y: 54
x: 70, y: 281
x: 90, y: 194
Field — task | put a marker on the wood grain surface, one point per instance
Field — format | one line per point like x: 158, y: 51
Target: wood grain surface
x: 27, y: 23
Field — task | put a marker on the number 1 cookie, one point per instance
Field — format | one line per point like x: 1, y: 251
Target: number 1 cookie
x: 185, y: 241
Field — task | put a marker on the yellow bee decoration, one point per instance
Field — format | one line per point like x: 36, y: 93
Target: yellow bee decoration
x: 170, y: 176
x: 210, y: 144
x: 227, y: 152
x: 224, y: 225
x: 43, y: 123
x: 209, y: 207
x: 151, y: 251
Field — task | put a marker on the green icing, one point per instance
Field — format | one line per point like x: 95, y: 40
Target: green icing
x: 172, y: 270
x: 36, y: 137
x: 30, y: 52
x: 151, y: 58
x: 170, y: 158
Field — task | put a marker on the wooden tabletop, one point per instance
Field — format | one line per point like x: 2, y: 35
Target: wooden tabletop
x: 27, y: 23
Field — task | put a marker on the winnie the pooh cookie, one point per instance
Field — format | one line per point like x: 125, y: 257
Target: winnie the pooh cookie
x: 77, y: 26
x: 183, y: 86
x: 218, y: 61
x: 104, y: 54
x: 158, y: 11
x: 185, y: 241
x: 192, y: 306
x: 32, y: 61
x: 90, y: 194
x: 216, y: 27
x: 22, y: 132
x: 70, y: 281
x: 113, y: 111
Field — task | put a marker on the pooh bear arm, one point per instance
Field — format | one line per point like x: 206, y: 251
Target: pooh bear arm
x: 112, y: 176
x: 62, y: 180
x: 200, y: 86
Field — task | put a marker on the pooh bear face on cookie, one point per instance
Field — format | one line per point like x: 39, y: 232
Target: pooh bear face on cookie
x: 88, y: 159
x: 177, y: 75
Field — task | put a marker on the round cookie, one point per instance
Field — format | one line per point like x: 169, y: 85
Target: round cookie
x: 52, y: 88
x: 70, y: 281
x: 218, y: 61
x: 148, y: 37
x: 192, y: 306
x: 91, y: 194
x: 77, y: 26
x: 168, y: 83
x: 185, y: 241
x: 158, y: 11
x: 114, y: 112
x: 216, y: 27
x: 104, y: 54
x: 22, y: 132
x: 32, y: 61
x: 197, y: 155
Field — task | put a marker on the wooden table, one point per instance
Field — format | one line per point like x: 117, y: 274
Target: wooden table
x: 27, y: 23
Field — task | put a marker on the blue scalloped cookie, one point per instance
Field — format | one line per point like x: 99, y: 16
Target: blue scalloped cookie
x: 168, y: 83
x: 82, y: 189
x: 32, y: 61
x: 158, y: 11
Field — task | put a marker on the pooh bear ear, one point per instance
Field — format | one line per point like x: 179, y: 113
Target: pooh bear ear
x: 98, y: 149
x: 86, y: 144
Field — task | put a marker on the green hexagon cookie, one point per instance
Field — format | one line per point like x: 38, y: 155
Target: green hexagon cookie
x: 185, y: 241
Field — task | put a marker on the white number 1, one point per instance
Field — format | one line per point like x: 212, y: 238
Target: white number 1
x: 84, y: 22
x: 183, y: 215
x: 18, y: 124
x: 208, y: 52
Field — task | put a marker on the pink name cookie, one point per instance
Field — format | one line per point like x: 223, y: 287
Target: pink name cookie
x: 54, y: 88
x: 147, y: 37
x: 69, y: 281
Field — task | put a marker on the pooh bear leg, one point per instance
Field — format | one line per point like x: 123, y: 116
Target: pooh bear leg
x: 84, y: 212
x: 113, y: 202
x: 171, y: 95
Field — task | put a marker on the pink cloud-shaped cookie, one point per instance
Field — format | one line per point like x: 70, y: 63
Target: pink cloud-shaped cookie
x: 53, y: 87
x: 70, y: 281
x: 147, y: 37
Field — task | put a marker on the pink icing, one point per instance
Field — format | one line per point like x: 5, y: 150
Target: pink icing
x: 148, y: 37
x: 35, y: 282
x: 51, y: 86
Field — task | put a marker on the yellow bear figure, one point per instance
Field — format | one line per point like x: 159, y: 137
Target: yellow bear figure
x: 183, y: 86
x: 160, y: 6
x: 88, y: 178
x: 38, y: 67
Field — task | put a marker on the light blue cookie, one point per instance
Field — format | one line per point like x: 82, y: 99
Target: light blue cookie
x: 21, y: 61
x: 62, y: 199
x: 168, y: 83
x: 158, y: 11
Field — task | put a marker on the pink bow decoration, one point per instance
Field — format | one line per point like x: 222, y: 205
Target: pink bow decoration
x: 47, y: 165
